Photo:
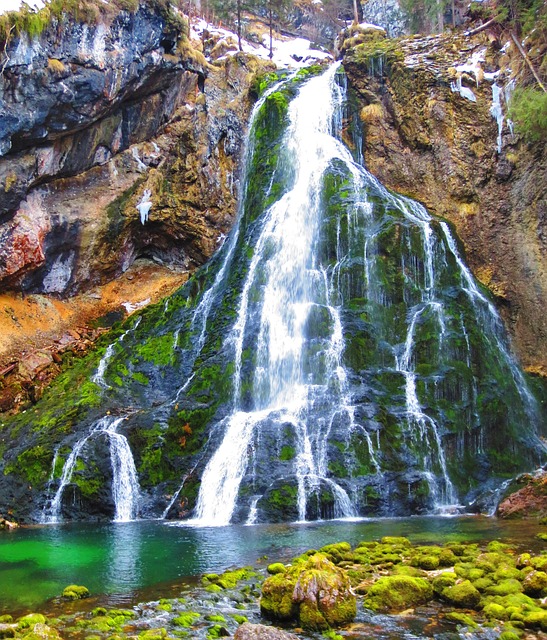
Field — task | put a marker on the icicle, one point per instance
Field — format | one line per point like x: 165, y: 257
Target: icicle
x: 145, y: 205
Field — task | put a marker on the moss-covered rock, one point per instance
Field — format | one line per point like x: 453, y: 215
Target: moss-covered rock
x: 75, y: 592
x: 535, y: 583
x: 462, y: 594
x: 25, y: 622
x: 395, y: 593
x: 313, y: 592
x: 186, y: 619
x: 276, y: 567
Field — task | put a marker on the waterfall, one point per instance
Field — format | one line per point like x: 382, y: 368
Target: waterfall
x: 364, y: 356
x: 98, y: 378
x: 125, y: 484
x: 284, y: 261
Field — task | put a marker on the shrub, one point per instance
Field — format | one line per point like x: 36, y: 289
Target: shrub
x: 528, y: 110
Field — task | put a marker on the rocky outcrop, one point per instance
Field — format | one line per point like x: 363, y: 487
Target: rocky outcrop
x: 526, y: 497
x: 101, y: 124
x: 97, y: 116
x: 434, y: 127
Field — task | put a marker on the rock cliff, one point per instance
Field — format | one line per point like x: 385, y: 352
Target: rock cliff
x: 434, y: 126
x: 101, y: 124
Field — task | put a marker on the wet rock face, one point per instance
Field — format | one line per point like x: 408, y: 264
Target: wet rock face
x: 96, y: 116
x: 525, y: 497
x: 440, y: 144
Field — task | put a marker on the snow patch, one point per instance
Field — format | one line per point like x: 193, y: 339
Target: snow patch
x: 291, y: 53
x: 133, y: 306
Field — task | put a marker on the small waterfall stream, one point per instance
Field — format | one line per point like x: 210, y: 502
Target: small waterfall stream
x: 125, y: 483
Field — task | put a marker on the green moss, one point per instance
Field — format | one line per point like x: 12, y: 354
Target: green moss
x: 25, y: 622
x: 461, y: 619
x: 275, y: 567
x: 287, y: 453
x: 229, y: 579
x: 505, y: 588
x: 395, y: 593
x: 186, y: 619
x: 34, y: 465
x: 239, y: 618
x: 153, y: 634
x: 443, y: 581
x: 156, y: 349
x: 294, y: 594
x: 140, y: 378
x: 75, y: 592
x: 462, y: 594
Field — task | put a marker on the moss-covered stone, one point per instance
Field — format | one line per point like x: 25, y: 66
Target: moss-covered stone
x: 30, y: 620
x: 186, y: 619
x: 462, y: 594
x: 395, y: 593
x: 313, y: 592
x: 462, y: 619
x: 75, y: 592
x: 505, y: 588
x: 276, y: 567
x: 535, y: 583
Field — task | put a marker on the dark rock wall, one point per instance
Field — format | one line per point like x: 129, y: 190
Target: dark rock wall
x: 95, y: 115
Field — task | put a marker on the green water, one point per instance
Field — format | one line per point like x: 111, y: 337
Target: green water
x: 126, y: 562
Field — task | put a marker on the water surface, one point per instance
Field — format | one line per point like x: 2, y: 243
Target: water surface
x: 127, y: 562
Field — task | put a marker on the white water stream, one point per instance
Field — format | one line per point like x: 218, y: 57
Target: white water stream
x: 125, y: 484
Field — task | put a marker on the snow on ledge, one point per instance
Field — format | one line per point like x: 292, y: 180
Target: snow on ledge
x: 292, y: 53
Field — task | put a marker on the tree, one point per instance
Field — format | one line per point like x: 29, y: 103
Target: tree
x: 231, y: 11
x: 276, y: 10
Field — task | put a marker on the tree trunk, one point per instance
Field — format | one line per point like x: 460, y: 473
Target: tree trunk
x: 355, y: 13
x: 239, y: 25
x: 271, y: 29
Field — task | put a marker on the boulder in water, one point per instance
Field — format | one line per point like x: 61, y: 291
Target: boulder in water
x: 314, y: 592
x: 399, y: 592
x: 75, y: 592
x: 248, y: 631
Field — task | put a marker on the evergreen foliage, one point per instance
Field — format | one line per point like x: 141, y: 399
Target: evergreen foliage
x: 528, y: 110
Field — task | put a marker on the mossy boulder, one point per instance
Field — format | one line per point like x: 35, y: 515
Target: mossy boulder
x: 276, y: 567
x: 462, y: 594
x: 186, y: 619
x: 75, y: 592
x: 395, y: 593
x: 443, y: 581
x: 313, y: 592
x: 426, y: 562
x: 337, y: 552
x: 42, y: 631
x: 535, y: 583
x: 153, y: 634
x: 461, y: 619
x: 505, y: 587
x: 31, y: 619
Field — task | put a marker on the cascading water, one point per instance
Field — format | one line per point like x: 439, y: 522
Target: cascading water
x: 335, y: 358
x: 125, y: 483
x: 299, y: 284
